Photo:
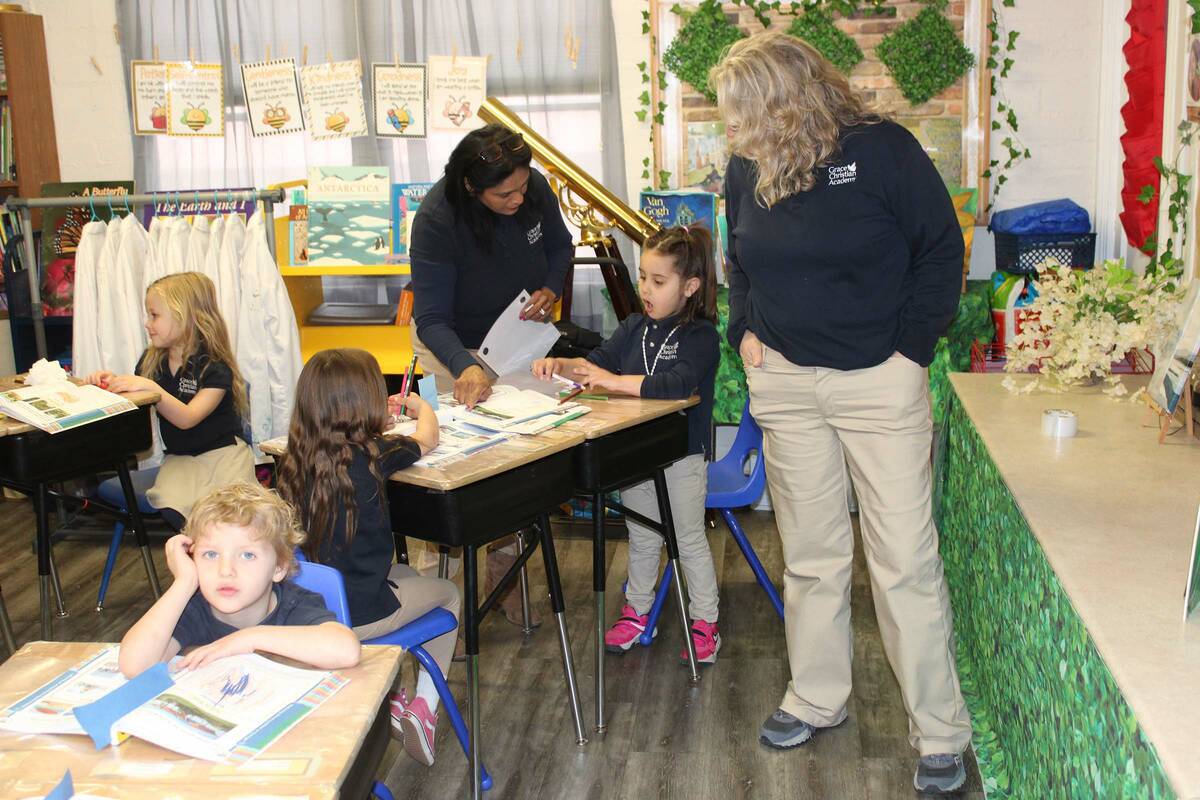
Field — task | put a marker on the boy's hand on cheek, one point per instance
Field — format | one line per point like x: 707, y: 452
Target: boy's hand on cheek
x: 234, y: 644
x: 179, y: 561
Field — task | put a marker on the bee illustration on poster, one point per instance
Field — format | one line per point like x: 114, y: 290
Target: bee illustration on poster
x: 195, y: 99
x: 399, y: 99
x: 272, y: 97
x: 457, y: 87
x: 333, y: 100
x: 148, y: 86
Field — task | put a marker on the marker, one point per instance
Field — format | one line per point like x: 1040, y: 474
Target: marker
x: 567, y: 381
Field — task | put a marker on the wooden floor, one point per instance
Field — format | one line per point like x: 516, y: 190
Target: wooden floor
x: 665, y: 739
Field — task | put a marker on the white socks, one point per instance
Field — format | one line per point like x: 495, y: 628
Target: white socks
x: 428, y: 690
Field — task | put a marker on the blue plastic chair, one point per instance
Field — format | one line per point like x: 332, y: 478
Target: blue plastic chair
x: 729, y: 487
x: 327, y: 582
x: 110, y: 491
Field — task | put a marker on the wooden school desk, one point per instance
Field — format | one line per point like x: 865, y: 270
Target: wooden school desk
x: 333, y: 752
x: 472, y: 500
x: 31, y: 459
x: 630, y: 440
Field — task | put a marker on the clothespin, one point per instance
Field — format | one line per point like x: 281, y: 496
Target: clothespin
x: 328, y: 56
x: 304, y: 56
x: 237, y: 53
x: 154, y: 52
x: 268, y: 58
x: 453, y: 53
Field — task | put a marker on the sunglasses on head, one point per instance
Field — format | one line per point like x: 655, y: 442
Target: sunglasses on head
x: 514, y: 143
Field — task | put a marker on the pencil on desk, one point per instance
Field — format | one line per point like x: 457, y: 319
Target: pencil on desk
x: 573, y: 394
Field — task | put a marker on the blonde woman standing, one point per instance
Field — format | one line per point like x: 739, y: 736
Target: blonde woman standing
x: 846, y: 262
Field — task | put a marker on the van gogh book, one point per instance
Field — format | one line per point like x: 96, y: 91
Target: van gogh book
x: 406, y: 199
x: 349, y: 219
x: 62, y: 405
x: 229, y: 710
x: 686, y: 207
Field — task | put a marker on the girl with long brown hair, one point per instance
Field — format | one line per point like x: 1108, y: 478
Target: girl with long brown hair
x: 190, y: 364
x: 334, y: 472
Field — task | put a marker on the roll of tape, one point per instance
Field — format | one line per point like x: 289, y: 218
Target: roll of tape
x: 1059, y: 423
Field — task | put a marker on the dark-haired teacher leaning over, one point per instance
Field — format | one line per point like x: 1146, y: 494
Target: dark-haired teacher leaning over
x: 487, y: 230
x: 846, y: 268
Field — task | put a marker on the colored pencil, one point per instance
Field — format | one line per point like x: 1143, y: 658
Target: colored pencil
x: 573, y: 394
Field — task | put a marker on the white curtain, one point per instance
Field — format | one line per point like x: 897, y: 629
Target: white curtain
x: 568, y: 94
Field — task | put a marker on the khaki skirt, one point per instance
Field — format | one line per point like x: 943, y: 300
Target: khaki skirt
x: 184, y: 480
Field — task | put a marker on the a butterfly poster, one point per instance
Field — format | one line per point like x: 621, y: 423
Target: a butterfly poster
x: 195, y: 99
x: 457, y: 87
x: 272, y: 97
x: 333, y: 99
x: 398, y: 100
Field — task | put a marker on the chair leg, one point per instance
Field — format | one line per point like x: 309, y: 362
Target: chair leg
x: 760, y: 574
x: 43, y: 561
x: 6, y: 629
x: 448, y: 703
x: 139, y: 527
x: 57, y: 586
x: 660, y: 599
x: 113, y: 547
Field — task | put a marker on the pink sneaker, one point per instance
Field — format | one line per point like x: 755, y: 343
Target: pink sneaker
x: 416, y: 726
x: 707, y: 641
x: 625, y: 633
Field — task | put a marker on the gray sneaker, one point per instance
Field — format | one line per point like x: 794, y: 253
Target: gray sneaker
x: 941, y: 773
x: 782, y: 731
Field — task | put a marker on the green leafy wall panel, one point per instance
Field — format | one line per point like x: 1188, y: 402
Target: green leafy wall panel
x: 1049, y: 719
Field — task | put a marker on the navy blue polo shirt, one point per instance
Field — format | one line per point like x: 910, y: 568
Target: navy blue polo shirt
x: 677, y: 360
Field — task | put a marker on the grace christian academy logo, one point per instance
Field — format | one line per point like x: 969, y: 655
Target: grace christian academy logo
x: 843, y: 174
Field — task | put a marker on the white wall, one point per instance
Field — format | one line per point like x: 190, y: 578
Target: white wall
x: 633, y: 47
x: 91, y: 110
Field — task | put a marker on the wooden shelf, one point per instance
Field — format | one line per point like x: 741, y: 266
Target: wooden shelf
x: 308, y: 272
x: 35, y: 147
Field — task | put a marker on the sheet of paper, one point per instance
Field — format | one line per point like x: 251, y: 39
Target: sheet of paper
x: 512, y: 344
x: 49, y: 708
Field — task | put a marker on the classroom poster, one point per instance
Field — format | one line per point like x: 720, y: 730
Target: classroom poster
x: 349, y: 219
x: 333, y: 99
x: 195, y: 99
x: 457, y: 87
x: 1175, y: 356
x: 706, y: 156
x: 148, y: 85
x: 398, y: 100
x: 272, y: 97
x: 942, y: 141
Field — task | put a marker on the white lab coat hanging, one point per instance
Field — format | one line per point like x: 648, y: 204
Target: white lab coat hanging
x: 229, y: 267
x: 110, y: 306
x: 85, y: 346
x: 268, y: 350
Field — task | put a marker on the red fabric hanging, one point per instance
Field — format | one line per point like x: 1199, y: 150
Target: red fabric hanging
x: 1145, y: 54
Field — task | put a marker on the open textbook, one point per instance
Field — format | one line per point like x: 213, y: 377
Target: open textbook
x: 61, y: 405
x: 512, y: 410
x: 229, y: 710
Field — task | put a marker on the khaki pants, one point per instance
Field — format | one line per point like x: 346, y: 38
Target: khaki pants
x: 418, y: 596
x: 185, y: 480
x: 814, y: 421
x: 687, y: 486
x: 426, y: 557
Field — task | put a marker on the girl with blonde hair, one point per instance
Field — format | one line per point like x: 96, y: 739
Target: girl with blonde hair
x: 190, y: 364
x: 845, y: 268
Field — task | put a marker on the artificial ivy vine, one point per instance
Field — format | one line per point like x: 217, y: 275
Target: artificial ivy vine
x: 1000, y: 57
x: 816, y: 27
x: 1176, y: 183
x: 664, y: 176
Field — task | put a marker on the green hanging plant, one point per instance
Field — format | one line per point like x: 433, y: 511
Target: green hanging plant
x: 925, y: 56
x: 699, y: 45
x: 816, y: 27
